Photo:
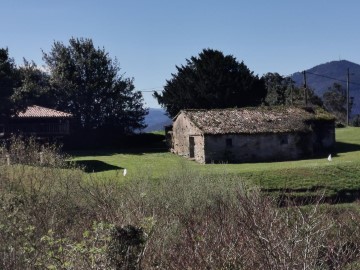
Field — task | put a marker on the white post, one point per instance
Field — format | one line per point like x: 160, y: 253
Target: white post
x: 41, y: 158
x: 8, y: 160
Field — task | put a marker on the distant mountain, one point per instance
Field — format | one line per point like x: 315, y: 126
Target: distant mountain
x: 156, y: 120
x: 323, y: 79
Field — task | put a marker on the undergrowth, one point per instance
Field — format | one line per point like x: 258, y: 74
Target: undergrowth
x: 51, y: 218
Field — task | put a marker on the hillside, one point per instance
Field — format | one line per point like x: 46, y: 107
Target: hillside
x: 323, y: 79
x: 156, y: 120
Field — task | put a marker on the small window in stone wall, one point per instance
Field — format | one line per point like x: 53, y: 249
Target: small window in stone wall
x: 229, y: 142
x: 284, y: 139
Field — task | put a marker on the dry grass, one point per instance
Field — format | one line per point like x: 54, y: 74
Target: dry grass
x: 50, y: 218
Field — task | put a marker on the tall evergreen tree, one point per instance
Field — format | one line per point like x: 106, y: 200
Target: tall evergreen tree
x: 85, y: 82
x: 211, y: 80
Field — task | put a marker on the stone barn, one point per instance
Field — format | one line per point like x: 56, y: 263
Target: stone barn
x: 251, y: 134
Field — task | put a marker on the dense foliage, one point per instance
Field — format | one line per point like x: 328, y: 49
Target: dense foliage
x: 8, y: 81
x: 278, y: 89
x: 34, y: 87
x: 79, y: 79
x: 356, y: 121
x: 335, y: 101
x: 85, y: 82
x: 21, y: 86
x: 211, y: 80
x: 282, y: 91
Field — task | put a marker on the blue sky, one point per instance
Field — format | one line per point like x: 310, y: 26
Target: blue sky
x: 150, y: 37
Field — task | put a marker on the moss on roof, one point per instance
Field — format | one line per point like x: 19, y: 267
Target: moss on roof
x: 256, y: 119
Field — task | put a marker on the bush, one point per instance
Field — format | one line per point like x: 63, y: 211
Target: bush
x: 27, y: 151
x: 356, y: 121
x: 57, y: 217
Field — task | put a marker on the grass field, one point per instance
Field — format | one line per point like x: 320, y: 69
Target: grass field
x: 342, y: 174
x: 54, y: 216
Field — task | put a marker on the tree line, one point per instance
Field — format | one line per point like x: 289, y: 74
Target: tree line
x: 78, y: 78
x: 214, y: 80
x: 85, y: 81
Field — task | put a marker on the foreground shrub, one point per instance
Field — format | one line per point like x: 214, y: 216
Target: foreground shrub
x: 27, y: 151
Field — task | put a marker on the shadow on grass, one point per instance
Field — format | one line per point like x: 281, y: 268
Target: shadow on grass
x: 341, y: 147
x: 108, y: 143
x: 90, y: 166
x: 110, y: 152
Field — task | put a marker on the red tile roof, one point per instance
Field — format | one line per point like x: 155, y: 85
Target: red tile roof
x: 42, y: 112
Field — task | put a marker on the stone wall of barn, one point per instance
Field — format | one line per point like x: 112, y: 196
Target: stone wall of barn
x: 324, y: 135
x: 182, y: 130
x: 257, y: 147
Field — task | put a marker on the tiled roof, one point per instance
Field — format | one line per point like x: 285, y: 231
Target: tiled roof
x: 255, y: 119
x: 42, y: 112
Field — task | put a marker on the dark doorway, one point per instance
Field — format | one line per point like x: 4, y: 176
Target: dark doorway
x: 192, y: 147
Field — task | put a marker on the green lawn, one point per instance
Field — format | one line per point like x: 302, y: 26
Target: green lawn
x: 342, y: 173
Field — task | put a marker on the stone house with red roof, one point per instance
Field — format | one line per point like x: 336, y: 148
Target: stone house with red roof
x: 251, y: 134
x: 37, y: 121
